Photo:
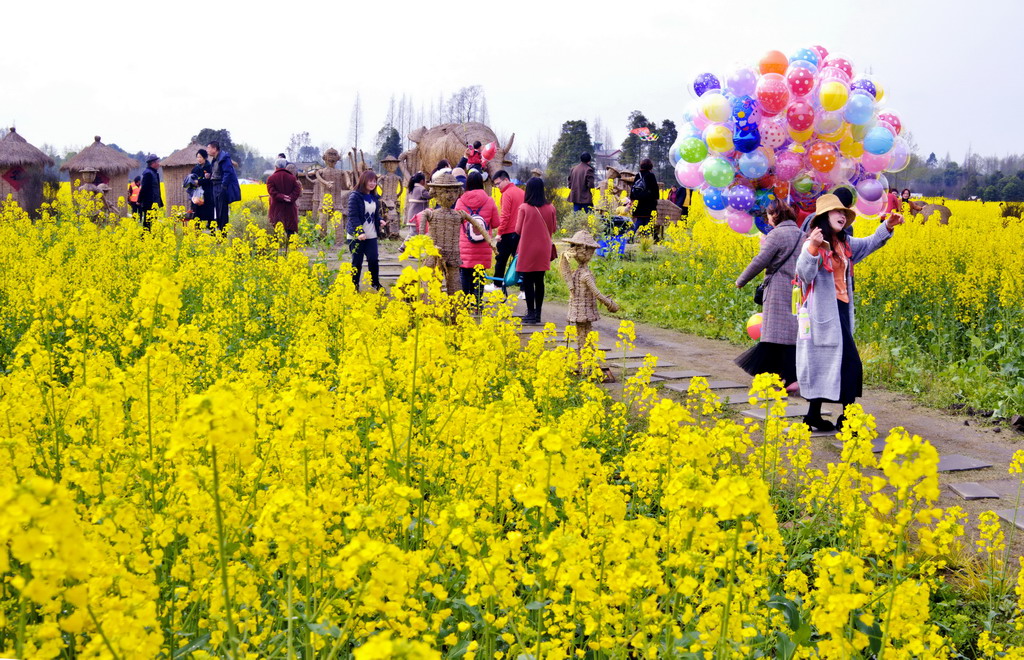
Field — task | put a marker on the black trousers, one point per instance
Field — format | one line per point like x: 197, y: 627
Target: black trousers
x: 471, y: 285
x: 533, y: 287
x: 368, y: 249
x: 220, y: 209
x: 507, y: 246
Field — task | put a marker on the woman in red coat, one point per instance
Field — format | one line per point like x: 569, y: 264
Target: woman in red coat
x: 474, y: 250
x: 284, y: 190
x: 535, y: 226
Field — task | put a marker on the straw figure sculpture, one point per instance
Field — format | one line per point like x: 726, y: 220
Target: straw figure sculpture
x: 175, y: 168
x: 21, y: 172
x: 583, y: 292
x: 112, y: 168
x: 445, y: 225
x: 448, y: 142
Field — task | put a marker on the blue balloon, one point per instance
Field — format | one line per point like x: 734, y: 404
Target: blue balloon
x: 879, y: 141
x: 860, y: 108
x: 714, y: 199
x: 745, y: 111
x: 705, y: 82
x: 763, y: 198
x: 753, y: 165
x: 806, y: 54
x: 746, y: 140
x: 761, y: 222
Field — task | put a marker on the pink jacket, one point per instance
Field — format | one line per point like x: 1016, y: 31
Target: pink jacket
x: 480, y: 203
x: 511, y: 200
x: 536, y: 226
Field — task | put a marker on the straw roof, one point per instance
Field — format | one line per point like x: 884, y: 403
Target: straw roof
x: 101, y: 157
x: 15, y: 151
x: 181, y: 157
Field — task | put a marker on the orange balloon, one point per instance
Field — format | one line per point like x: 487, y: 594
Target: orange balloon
x: 774, y: 62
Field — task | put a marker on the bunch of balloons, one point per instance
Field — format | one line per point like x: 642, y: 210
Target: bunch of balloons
x: 791, y: 127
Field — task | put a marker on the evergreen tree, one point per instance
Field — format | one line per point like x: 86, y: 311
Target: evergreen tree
x: 663, y: 168
x: 633, y: 148
x: 221, y: 135
x: 573, y: 141
x: 389, y: 142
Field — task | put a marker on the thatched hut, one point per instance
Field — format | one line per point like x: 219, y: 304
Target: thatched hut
x: 112, y: 168
x: 21, y: 171
x: 175, y: 168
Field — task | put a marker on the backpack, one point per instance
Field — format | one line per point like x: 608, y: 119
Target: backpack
x: 471, y: 232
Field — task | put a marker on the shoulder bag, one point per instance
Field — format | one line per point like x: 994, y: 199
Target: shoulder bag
x: 763, y: 286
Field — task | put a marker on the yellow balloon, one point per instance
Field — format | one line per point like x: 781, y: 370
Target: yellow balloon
x: 715, y: 107
x: 879, y: 93
x: 832, y: 137
x: 851, y: 148
x: 719, y: 138
x: 801, y: 136
x: 858, y: 133
x: 833, y: 95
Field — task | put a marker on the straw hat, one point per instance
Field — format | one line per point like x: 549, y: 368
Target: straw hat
x: 830, y: 202
x: 389, y: 159
x: 444, y: 180
x: 584, y: 239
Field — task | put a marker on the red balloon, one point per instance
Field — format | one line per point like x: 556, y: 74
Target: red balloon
x: 800, y: 116
x: 489, y: 150
x: 841, y: 63
x: 772, y: 93
x: 893, y: 120
x: 801, y: 81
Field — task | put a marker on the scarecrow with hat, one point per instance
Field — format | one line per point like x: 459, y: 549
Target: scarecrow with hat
x: 828, y: 366
x: 445, y: 225
x: 583, y: 292
x: 390, y: 191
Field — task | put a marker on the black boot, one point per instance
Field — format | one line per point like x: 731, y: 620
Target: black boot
x: 814, y: 420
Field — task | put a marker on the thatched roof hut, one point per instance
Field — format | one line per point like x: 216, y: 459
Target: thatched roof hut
x: 111, y: 166
x: 21, y: 171
x: 175, y: 168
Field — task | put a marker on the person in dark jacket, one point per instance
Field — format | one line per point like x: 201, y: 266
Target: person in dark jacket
x: 204, y: 211
x: 363, y: 227
x: 581, y: 185
x: 225, y: 183
x: 149, y: 191
x: 284, y: 190
x: 645, y: 194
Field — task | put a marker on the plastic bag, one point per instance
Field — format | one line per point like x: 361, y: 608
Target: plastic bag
x: 197, y: 197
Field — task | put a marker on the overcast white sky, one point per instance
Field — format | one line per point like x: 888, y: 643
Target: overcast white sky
x: 149, y: 75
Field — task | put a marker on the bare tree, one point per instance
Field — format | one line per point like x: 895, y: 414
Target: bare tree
x: 295, y: 144
x: 467, y: 104
x: 356, y: 123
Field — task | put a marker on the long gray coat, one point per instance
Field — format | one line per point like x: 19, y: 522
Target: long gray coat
x: 778, y: 325
x: 818, y: 359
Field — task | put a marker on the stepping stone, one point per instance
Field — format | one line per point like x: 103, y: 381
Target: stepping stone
x: 972, y: 490
x: 825, y: 434
x: 613, y: 355
x: 712, y: 384
x: 635, y: 364
x: 680, y: 374
x: 877, y: 445
x: 1013, y: 516
x: 956, y: 463
x: 791, y: 411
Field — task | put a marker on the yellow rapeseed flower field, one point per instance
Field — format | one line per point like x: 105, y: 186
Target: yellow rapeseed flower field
x: 209, y: 448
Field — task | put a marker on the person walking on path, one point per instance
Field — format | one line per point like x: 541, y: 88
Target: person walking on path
x: 828, y: 365
x: 226, y: 190
x: 581, y: 184
x: 508, y: 239
x: 363, y: 227
x: 474, y: 249
x: 149, y: 191
x: 775, y: 353
x: 536, y: 224
x: 417, y: 199
x: 645, y: 193
x: 205, y: 211
x: 284, y: 191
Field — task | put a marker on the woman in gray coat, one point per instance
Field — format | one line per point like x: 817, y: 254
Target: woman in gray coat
x: 775, y: 353
x: 827, y: 363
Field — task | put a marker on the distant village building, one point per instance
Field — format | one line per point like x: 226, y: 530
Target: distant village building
x: 603, y: 159
x: 112, y: 168
x: 21, y: 172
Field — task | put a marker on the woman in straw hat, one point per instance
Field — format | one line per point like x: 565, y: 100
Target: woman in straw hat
x: 827, y: 363
x: 583, y: 292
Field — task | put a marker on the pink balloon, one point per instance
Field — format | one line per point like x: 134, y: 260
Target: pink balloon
x: 868, y: 208
x: 739, y: 221
x: 773, y: 133
x: 872, y: 163
x: 787, y: 165
x: 688, y: 174
x: 719, y: 216
x: 700, y: 122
